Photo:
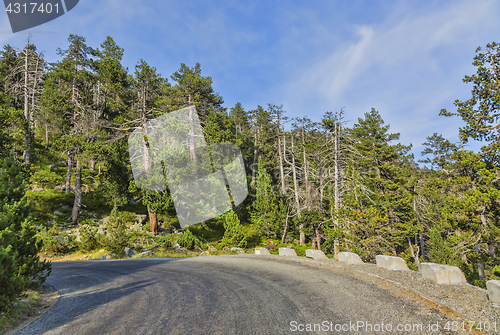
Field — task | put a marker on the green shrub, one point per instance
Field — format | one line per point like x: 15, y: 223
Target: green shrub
x: 233, y: 234
x: 188, y: 240
x: 89, y: 239
x: 8, y: 279
x: 51, y: 244
x: 496, y: 271
x: 47, y: 179
x: 115, y: 221
x: 127, y: 217
x: 18, y: 238
x: 116, y: 241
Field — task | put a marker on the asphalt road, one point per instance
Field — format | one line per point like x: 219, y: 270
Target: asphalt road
x: 225, y: 295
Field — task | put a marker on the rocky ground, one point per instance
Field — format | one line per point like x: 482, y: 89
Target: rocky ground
x: 469, y: 303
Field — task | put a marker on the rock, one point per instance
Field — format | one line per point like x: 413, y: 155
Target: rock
x: 53, y: 167
x: 58, y: 188
x: 145, y: 253
x: 38, y: 189
x: 239, y: 250
x: 261, y: 251
x: 58, y: 213
x: 109, y: 256
x: 147, y: 249
x: 176, y: 244
x: 140, y: 219
x: 315, y: 254
x: 181, y: 249
x: 442, y: 274
x: 211, y: 248
x: 205, y: 253
x: 136, y: 227
x: 493, y: 287
x: 128, y: 252
x: 132, y: 201
x: 63, y: 239
x: 350, y: 258
x: 103, y: 257
x: 391, y: 262
x: 287, y: 252
x: 101, y: 250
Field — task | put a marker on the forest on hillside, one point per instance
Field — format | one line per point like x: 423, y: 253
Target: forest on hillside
x: 64, y: 128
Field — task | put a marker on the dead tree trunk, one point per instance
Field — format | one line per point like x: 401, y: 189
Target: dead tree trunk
x: 78, y: 193
x: 280, y: 154
x: 296, y: 192
x: 306, y: 172
x: 415, y: 256
x: 27, y: 136
x: 336, y: 162
x: 68, y: 172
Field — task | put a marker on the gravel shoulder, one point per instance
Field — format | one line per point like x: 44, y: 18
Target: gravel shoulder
x: 468, y: 302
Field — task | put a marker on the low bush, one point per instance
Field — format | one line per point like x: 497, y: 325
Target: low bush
x: 89, y: 239
x: 188, y: 240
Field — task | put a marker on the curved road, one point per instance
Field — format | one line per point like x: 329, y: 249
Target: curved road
x: 224, y: 295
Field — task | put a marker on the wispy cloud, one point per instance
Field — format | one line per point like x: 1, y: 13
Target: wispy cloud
x: 408, y: 66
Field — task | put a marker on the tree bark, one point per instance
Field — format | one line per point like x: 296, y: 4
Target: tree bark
x: 26, y: 155
x: 78, y: 193
x: 280, y: 154
x: 306, y: 172
x: 318, y: 237
x: 480, y: 269
x: 336, y: 184
x: 296, y: 192
x: 415, y: 256
x: 480, y: 266
x: 68, y: 172
x: 92, y: 165
x: 153, y: 222
x: 491, y: 249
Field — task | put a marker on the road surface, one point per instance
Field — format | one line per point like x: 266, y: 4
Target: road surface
x: 226, y: 295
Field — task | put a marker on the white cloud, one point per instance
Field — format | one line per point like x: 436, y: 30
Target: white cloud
x: 408, y: 67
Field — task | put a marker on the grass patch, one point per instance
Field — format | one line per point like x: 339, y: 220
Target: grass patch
x: 25, y: 306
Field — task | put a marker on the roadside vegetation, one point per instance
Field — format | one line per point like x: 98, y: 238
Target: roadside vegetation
x: 67, y: 190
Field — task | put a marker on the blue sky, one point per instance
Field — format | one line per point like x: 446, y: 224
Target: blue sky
x: 406, y: 59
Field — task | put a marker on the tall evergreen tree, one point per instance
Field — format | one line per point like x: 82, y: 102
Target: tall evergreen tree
x: 19, y: 246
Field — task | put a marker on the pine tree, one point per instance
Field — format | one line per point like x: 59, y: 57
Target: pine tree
x: 233, y: 231
x: 263, y: 211
x: 387, y: 175
x: 191, y: 89
x: 481, y: 112
x: 18, y: 243
x: 441, y: 148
